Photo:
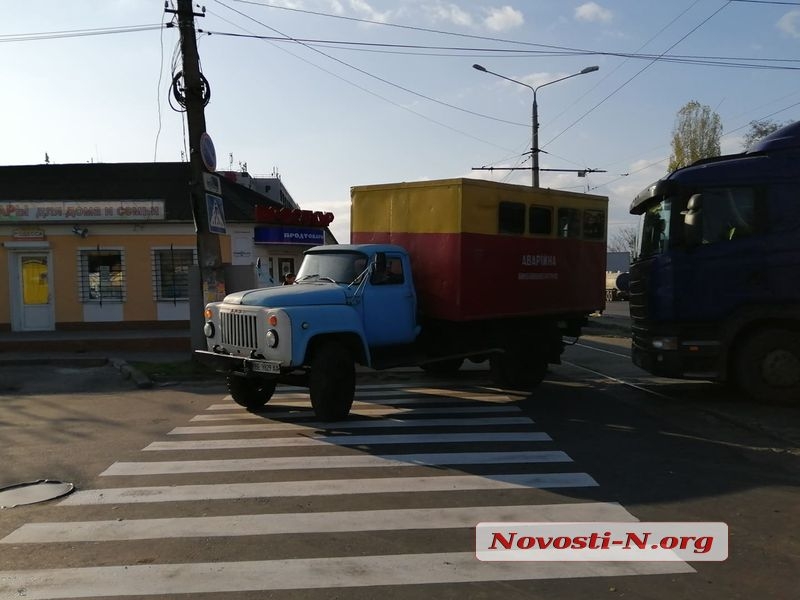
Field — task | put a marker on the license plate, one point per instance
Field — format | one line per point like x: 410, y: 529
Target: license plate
x: 261, y: 366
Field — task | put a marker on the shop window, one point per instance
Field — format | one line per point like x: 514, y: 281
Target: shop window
x: 594, y: 225
x: 102, y: 275
x: 569, y: 222
x: 511, y: 217
x: 540, y: 220
x: 171, y: 273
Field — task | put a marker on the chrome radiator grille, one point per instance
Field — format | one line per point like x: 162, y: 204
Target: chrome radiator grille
x: 239, y: 330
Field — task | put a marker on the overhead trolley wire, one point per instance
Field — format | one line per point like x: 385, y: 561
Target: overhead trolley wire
x: 360, y: 87
x: 74, y: 33
x: 723, y: 61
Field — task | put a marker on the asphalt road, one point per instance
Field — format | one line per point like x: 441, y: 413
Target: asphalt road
x: 181, y: 493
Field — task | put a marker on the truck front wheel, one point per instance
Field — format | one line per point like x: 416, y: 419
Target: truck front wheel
x: 768, y: 366
x: 249, y: 392
x: 332, y: 382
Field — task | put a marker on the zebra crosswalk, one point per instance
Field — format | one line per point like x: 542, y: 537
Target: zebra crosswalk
x: 412, y: 461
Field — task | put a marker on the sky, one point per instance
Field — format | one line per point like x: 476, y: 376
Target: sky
x: 331, y: 94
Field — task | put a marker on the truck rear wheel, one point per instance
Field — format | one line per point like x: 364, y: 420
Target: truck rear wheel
x: 332, y: 382
x: 768, y: 366
x: 517, y: 370
x: 249, y: 392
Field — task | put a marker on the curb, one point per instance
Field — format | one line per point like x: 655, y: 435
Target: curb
x: 141, y: 380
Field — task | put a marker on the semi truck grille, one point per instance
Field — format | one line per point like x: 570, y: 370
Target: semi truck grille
x: 239, y: 330
x: 639, y: 276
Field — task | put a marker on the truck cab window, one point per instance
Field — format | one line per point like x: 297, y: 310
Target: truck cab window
x: 725, y: 214
x: 654, y: 229
x: 341, y: 267
x: 390, y: 273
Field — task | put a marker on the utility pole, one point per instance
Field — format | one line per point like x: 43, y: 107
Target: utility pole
x: 195, y: 96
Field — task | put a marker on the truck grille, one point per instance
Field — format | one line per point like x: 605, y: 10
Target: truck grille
x: 639, y: 279
x: 239, y: 330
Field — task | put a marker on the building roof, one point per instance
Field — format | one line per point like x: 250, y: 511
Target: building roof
x: 124, y: 181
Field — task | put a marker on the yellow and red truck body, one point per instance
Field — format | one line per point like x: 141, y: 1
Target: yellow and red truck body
x: 485, y: 250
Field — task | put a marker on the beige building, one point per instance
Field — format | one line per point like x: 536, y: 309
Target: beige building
x: 112, y: 245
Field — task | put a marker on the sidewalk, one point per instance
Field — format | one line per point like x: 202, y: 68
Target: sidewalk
x: 151, y: 345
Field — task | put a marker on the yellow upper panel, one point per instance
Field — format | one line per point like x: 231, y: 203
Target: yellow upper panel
x: 449, y: 205
x: 428, y: 207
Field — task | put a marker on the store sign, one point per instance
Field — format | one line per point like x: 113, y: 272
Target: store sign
x: 292, y: 216
x: 81, y: 210
x: 289, y: 235
x: 27, y: 233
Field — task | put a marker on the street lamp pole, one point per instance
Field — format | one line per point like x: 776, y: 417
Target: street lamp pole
x: 535, y: 111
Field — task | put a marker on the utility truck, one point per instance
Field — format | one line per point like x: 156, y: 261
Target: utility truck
x: 715, y: 285
x: 437, y: 272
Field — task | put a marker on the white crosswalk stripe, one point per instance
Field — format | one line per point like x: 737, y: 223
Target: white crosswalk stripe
x: 352, y: 424
x: 313, y: 439
x: 458, y: 462
x: 310, y: 573
x: 326, y: 487
x: 358, y: 461
x: 370, y: 411
x: 294, y: 523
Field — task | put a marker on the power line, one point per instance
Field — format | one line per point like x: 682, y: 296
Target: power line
x: 376, y: 77
x: 768, y: 2
x: 74, y: 33
x: 746, y: 62
x: 360, y: 87
x: 642, y: 70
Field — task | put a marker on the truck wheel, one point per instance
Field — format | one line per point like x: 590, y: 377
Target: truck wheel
x: 768, y: 366
x: 517, y: 370
x: 250, y: 393
x: 443, y: 367
x: 332, y: 382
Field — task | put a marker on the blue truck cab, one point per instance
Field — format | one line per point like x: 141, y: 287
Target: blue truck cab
x: 715, y: 283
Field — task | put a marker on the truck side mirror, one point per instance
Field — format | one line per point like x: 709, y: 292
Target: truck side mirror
x: 692, y: 221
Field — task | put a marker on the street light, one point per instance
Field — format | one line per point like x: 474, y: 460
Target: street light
x: 535, y: 111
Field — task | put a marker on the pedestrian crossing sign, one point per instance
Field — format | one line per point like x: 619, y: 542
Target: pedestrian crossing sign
x: 216, y: 214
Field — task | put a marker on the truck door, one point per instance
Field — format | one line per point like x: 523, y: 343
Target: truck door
x: 723, y: 267
x: 389, y: 304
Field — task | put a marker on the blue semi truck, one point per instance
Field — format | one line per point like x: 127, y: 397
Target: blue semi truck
x: 715, y: 283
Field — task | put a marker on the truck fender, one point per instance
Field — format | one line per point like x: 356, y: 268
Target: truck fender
x: 310, y: 324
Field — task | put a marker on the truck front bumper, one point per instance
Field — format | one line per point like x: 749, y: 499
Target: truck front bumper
x: 227, y: 363
x: 673, y: 356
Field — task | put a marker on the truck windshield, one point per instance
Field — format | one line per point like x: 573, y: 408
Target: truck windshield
x: 654, y: 229
x: 341, y: 267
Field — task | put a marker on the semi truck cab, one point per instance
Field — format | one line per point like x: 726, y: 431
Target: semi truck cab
x: 715, y: 284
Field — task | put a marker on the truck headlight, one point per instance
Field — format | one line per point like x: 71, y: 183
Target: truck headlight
x: 272, y: 338
x: 208, y: 329
x: 665, y: 343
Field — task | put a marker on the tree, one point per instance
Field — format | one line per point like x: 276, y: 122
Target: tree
x: 624, y: 240
x: 696, y: 135
x: 759, y: 130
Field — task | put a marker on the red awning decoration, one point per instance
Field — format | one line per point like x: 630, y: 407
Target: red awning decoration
x: 292, y: 216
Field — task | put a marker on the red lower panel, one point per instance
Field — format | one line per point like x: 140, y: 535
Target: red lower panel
x: 466, y: 276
